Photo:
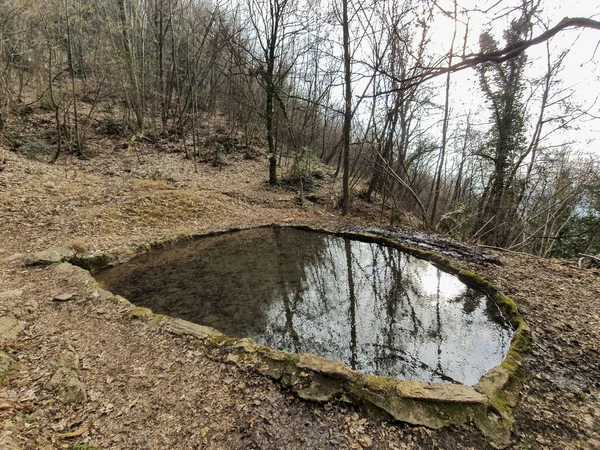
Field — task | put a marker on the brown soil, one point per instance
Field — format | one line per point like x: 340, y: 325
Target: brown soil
x: 148, y: 389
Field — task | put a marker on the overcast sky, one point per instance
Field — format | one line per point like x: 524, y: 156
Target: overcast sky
x: 581, y: 72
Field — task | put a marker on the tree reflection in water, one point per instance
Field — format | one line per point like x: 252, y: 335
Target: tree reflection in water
x: 375, y: 308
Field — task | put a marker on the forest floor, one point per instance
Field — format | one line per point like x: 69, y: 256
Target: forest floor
x: 148, y: 389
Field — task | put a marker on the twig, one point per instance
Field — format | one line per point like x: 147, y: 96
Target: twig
x: 595, y: 258
x: 75, y: 433
x: 512, y: 251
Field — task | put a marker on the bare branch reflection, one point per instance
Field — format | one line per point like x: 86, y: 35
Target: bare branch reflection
x: 377, y: 309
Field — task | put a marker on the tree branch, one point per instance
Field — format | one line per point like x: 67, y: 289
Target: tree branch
x: 509, y: 52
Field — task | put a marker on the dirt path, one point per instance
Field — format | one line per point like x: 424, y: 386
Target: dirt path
x: 148, y: 389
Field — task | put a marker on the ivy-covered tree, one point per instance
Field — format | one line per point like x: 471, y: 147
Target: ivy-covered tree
x: 502, y: 84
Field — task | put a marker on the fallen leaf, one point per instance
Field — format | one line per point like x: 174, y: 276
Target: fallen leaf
x: 75, y: 433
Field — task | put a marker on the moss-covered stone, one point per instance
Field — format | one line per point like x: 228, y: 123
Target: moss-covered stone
x: 10, y: 327
x: 184, y: 328
x: 491, y: 382
x: 50, y: 256
x: 246, y: 345
x: 141, y: 313
x: 321, y: 388
x: 331, y: 369
x: 92, y: 263
x: 65, y: 382
x: 438, y: 392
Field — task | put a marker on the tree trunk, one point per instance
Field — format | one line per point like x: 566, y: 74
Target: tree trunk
x: 441, y: 162
x: 347, y: 110
x: 136, y: 95
x: 78, y: 143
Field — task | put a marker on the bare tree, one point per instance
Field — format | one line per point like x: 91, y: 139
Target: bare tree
x: 131, y: 48
x: 502, y: 84
x: 347, y: 108
x: 274, y: 24
x: 437, y: 183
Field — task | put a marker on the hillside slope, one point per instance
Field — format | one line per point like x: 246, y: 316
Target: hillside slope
x: 148, y: 389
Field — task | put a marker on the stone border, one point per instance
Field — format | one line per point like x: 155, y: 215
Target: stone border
x: 487, y: 405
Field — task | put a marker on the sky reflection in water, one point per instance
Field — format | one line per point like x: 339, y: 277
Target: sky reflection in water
x: 377, y: 309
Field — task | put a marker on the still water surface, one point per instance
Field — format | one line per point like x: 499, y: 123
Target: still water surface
x: 377, y: 309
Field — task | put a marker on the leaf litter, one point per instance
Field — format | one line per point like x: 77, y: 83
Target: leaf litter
x: 148, y: 389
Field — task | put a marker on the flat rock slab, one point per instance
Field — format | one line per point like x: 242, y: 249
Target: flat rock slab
x: 183, y: 327
x: 333, y: 369
x: 50, y: 256
x: 10, y: 327
x: 446, y: 393
x: 63, y: 297
x: 14, y: 293
x: 11, y: 258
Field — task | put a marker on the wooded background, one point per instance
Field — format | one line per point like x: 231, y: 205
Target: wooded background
x: 360, y: 86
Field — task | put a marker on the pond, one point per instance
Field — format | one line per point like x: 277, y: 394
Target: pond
x: 379, y: 310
